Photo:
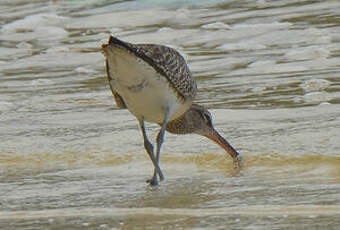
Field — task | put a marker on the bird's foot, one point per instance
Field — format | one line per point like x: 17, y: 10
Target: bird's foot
x: 161, y: 177
x: 153, y: 181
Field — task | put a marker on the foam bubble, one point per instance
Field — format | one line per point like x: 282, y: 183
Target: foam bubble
x: 257, y: 26
x: 38, y: 82
x: 57, y: 49
x: 316, y: 97
x: 84, y: 70
x: 259, y: 89
x: 50, y: 32
x: 33, y: 22
x: 262, y: 64
x: 165, y: 29
x: 216, y: 26
x: 307, y: 53
x: 314, y: 85
x: 114, y: 30
x: 242, y: 46
x: 262, y: 3
x: 24, y: 45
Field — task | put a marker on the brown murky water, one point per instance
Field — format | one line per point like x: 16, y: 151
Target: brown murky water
x: 269, y: 70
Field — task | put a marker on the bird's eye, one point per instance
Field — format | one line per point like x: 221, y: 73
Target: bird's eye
x: 207, y: 119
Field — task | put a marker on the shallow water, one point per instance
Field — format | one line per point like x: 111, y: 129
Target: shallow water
x: 268, y: 70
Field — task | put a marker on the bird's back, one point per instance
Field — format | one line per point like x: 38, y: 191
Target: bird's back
x: 171, y: 65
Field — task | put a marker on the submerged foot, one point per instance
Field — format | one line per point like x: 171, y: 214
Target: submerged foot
x: 152, y: 181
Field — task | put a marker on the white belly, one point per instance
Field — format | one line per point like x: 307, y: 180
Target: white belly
x: 145, y: 92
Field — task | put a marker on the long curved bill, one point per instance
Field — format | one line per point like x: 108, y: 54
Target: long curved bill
x: 218, y: 139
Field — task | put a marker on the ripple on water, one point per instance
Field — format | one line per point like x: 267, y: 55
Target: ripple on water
x: 262, y: 65
x: 47, y: 26
x: 6, y: 105
x: 41, y: 81
x: 316, y: 97
x: 314, y: 85
x: 24, y: 45
x: 82, y: 69
x: 51, y: 33
x: 242, y: 46
x: 263, y: 26
x: 216, y: 26
x: 307, y: 53
x: 35, y: 21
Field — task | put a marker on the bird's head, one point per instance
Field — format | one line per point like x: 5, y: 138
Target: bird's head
x: 198, y: 120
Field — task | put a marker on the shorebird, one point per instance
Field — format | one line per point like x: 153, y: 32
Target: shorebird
x: 155, y: 84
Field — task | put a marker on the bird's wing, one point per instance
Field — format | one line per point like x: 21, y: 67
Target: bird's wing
x: 167, y: 62
x: 171, y: 65
x: 118, y: 99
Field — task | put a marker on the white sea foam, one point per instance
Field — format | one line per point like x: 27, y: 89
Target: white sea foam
x: 6, y: 105
x: 314, y: 85
x: 50, y: 32
x: 24, y: 45
x: 262, y: 64
x: 307, y: 53
x: 216, y: 26
x: 259, y: 89
x: 316, y: 35
x: 33, y: 22
x: 257, y: 26
x: 165, y: 29
x: 58, y: 49
x: 325, y: 103
x: 41, y: 27
x: 262, y: 3
x: 114, y: 30
x: 242, y: 46
x: 82, y: 69
x: 316, y: 97
x: 40, y: 81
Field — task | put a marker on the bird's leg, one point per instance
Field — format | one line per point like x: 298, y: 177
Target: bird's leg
x: 149, y: 149
x: 160, y: 139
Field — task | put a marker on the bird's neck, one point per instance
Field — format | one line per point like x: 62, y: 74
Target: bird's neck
x: 182, y: 125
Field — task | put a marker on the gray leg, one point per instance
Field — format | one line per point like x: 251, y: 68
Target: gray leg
x: 149, y: 149
x: 160, y: 139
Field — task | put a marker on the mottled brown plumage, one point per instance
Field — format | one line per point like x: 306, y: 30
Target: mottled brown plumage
x: 155, y: 84
x: 191, y: 121
x: 166, y: 61
x: 198, y: 120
